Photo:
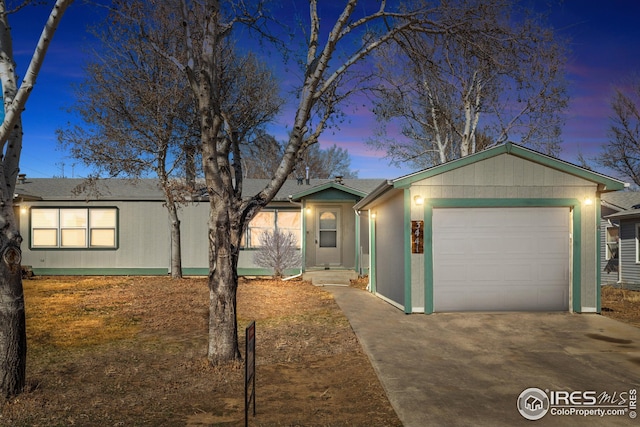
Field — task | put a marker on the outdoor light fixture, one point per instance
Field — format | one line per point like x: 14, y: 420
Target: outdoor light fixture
x: 373, y: 215
x: 588, y: 201
x: 419, y: 200
x: 308, y: 210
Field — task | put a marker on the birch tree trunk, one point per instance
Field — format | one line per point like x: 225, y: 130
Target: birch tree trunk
x: 13, y: 341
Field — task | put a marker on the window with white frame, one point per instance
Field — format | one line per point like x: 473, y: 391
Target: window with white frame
x: 287, y: 221
x: 611, y: 242
x: 71, y: 228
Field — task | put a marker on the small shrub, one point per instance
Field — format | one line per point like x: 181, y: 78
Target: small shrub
x: 277, y: 251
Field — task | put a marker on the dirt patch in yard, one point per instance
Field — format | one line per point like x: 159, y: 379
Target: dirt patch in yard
x: 621, y: 304
x: 124, y: 351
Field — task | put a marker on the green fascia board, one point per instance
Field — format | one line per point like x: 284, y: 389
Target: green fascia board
x: 408, y: 306
x: 100, y: 271
x: 327, y: 186
x: 609, y: 184
x: 430, y: 204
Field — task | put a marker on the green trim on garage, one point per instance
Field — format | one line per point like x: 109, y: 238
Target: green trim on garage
x: 407, y: 251
x: 609, y: 184
x: 574, y: 204
x: 372, y: 254
x: 598, y: 256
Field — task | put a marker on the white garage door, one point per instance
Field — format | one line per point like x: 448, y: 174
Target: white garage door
x: 487, y: 259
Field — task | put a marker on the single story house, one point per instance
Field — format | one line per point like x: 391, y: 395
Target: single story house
x: 120, y: 227
x: 507, y: 228
x: 620, y: 235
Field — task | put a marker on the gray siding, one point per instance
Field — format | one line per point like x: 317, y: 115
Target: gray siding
x: 390, y: 243
x: 630, y: 268
x: 142, y: 233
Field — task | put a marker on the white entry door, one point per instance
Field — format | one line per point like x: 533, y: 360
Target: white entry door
x: 328, y: 237
x: 501, y: 259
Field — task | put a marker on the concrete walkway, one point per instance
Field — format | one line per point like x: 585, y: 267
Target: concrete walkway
x: 468, y: 369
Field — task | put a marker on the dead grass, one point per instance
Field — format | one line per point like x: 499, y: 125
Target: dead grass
x: 127, y: 351
x: 621, y: 304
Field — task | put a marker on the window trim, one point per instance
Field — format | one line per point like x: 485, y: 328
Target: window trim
x: 607, y: 252
x: 88, y: 229
x: 247, y: 233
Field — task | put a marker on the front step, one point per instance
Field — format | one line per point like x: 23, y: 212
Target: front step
x: 330, y: 277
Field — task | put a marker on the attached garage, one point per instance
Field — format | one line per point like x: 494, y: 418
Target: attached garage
x: 506, y: 229
x: 513, y: 258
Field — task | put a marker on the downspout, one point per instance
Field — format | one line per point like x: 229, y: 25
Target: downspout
x: 284, y: 279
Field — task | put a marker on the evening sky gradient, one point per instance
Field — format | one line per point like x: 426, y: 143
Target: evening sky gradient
x: 604, y: 51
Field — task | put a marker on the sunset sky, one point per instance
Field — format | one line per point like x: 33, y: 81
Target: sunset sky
x: 605, y: 50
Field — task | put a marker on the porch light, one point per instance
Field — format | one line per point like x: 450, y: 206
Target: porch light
x: 373, y: 215
x: 418, y: 200
x: 308, y: 211
x: 588, y: 201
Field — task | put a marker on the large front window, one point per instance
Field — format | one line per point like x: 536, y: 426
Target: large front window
x: 70, y: 228
x: 286, y: 221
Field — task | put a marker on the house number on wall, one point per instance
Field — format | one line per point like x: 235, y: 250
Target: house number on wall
x: 417, y: 237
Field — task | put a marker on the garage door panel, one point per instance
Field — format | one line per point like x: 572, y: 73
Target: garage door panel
x: 501, y: 259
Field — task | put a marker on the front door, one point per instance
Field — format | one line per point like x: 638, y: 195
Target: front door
x: 328, y: 237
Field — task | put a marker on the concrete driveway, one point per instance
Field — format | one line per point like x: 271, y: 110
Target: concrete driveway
x: 469, y: 369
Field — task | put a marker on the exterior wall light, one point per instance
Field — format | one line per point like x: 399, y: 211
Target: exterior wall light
x: 373, y: 215
x: 588, y: 201
x: 418, y: 200
x: 308, y: 210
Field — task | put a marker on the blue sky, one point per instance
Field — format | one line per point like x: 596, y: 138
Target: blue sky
x: 605, y: 49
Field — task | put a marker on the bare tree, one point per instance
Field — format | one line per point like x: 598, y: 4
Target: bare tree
x: 139, y: 119
x: 329, y: 56
x: 277, y: 251
x: 622, y: 153
x: 326, y: 162
x: 262, y: 156
x: 499, y: 76
x: 13, y: 339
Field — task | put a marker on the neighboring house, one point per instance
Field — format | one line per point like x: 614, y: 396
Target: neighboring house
x: 121, y: 227
x: 620, y: 236
x: 507, y: 228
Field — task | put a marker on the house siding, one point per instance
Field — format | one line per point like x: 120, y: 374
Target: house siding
x: 630, y: 268
x: 143, y: 242
x: 389, y: 245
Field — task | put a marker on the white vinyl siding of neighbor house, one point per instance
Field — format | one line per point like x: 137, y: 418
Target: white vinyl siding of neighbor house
x: 630, y: 267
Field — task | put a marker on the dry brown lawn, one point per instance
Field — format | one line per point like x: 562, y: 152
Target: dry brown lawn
x: 621, y: 304
x: 131, y: 351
